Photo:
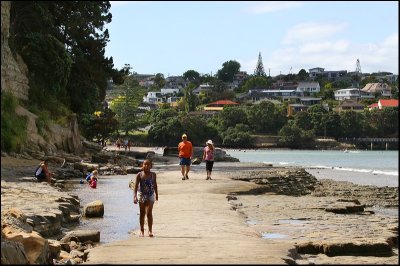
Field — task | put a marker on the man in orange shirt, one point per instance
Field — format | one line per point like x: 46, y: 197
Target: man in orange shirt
x: 185, y: 149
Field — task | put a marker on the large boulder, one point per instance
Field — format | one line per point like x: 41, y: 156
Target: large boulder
x: 94, y: 209
x: 81, y: 236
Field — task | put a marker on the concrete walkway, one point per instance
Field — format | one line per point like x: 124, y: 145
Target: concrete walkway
x: 194, y: 223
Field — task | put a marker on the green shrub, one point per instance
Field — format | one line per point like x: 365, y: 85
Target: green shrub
x: 13, y: 127
x: 42, y: 122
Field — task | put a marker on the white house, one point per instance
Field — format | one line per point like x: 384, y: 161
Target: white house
x: 153, y: 97
x: 307, y: 86
x: 347, y: 94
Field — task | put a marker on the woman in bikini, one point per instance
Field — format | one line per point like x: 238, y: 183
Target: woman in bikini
x: 146, y: 192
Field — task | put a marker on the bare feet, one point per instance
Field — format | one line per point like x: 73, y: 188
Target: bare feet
x: 150, y: 234
x: 141, y: 233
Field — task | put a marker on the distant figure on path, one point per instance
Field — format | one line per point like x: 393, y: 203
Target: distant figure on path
x: 146, y: 193
x: 118, y: 143
x: 129, y: 145
x: 208, y: 156
x: 185, y: 150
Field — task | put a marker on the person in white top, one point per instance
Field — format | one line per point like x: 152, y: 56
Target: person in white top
x: 208, y: 156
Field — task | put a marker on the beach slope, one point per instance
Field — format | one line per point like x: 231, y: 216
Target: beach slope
x: 195, y: 223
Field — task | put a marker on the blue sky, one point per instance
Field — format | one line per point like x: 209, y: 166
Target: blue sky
x: 173, y: 37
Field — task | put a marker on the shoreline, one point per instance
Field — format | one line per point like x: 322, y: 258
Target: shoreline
x: 171, y: 231
x: 190, y: 214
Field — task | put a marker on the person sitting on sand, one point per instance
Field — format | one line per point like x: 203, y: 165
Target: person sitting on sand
x: 146, y: 193
x: 43, y: 174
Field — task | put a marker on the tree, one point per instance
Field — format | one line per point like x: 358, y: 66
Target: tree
x: 302, y: 120
x: 126, y: 106
x: 189, y: 98
x: 265, y: 118
x: 294, y: 137
x: 161, y: 114
x: 318, y: 118
x: 75, y: 28
x: 192, y: 76
x: 303, y: 75
x: 100, y: 125
x: 256, y: 82
x: 327, y: 92
x: 237, y: 136
x: 159, y: 80
x: 352, y: 123
x: 229, y: 117
x: 228, y: 71
x: 166, y: 132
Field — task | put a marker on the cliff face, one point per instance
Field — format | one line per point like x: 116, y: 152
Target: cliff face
x: 14, y: 79
x: 13, y: 70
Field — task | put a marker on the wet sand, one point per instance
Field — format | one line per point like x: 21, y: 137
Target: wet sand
x: 194, y: 223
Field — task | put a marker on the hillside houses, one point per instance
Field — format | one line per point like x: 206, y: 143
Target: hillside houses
x: 285, y: 90
x: 301, y: 94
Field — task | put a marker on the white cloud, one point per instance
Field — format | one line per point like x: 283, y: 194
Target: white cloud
x: 271, y: 6
x: 327, y: 47
x: 306, y: 32
x: 331, y: 55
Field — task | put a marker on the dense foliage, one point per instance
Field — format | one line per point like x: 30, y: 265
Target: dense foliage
x: 63, y: 44
x: 13, y: 128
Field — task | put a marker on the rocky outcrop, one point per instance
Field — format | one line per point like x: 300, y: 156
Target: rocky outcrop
x: 53, y: 208
x: 30, y: 246
x: 370, y: 248
x: 366, y: 195
x: 58, y: 138
x: 286, y: 181
x: 24, y: 229
x: 12, y: 252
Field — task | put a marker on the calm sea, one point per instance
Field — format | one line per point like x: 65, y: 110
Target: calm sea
x: 378, y: 168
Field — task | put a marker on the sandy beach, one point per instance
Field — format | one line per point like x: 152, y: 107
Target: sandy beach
x: 218, y: 221
x: 196, y: 222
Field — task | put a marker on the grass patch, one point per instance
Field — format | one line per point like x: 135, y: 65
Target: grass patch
x: 13, y: 126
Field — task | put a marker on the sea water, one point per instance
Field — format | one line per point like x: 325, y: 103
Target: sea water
x: 120, y: 214
x: 379, y: 168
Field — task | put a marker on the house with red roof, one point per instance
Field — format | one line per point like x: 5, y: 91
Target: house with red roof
x: 383, y: 103
x: 219, y: 105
